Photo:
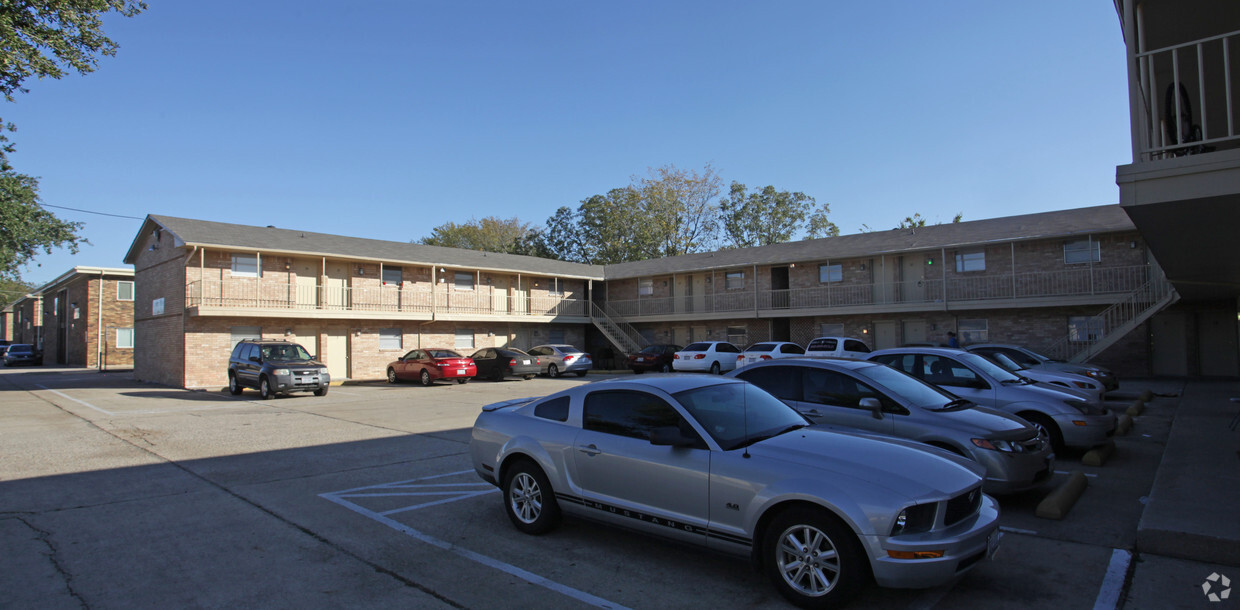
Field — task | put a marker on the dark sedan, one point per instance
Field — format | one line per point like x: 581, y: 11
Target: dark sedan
x: 22, y: 353
x: 496, y: 363
x: 427, y: 365
x: 658, y: 357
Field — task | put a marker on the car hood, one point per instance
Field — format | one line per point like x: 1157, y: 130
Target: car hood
x: 1068, y: 367
x: 296, y: 362
x: 903, y: 467
x: 992, y: 423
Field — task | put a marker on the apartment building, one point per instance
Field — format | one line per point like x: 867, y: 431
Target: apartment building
x: 357, y: 303
x: 1182, y: 189
x: 82, y: 318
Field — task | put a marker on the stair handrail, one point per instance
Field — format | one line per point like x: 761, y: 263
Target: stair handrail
x: 621, y: 333
x: 1139, y: 304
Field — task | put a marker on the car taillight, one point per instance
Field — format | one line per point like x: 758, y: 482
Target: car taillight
x: 699, y: 357
x: 740, y: 357
x: 675, y: 356
x: 766, y: 357
x: 512, y: 362
x: 568, y: 359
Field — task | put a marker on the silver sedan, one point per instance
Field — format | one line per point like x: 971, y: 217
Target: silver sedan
x: 877, y: 398
x: 559, y: 359
x: 722, y: 464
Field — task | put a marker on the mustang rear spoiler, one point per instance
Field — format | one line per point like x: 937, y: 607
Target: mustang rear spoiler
x: 516, y: 402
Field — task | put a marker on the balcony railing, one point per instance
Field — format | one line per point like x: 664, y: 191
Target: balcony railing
x: 390, y: 299
x: 1186, y: 104
x: 1082, y: 282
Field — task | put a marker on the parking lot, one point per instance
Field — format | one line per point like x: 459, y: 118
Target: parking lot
x: 121, y: 494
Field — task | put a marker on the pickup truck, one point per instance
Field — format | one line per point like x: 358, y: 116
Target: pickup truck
x: 837, y: 347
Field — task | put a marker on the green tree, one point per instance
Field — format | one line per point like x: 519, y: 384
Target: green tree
x: 11, y: 290
x: 770, y: 217
x: 43, y: 39
x: 491, y: 234
x: 916, y: 221
x: 679, y: 207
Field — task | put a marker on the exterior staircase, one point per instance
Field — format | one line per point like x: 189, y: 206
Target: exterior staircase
x: 621, y: 334
x: 1119, y: 319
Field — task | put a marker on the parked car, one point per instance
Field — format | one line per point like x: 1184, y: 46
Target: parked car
x: 496, y: 363
x: 22, y: 353
x: 427, y: 365
x: 722, y: 464
x: 714, y: 356
x: 837, y: 347
x: 555, y: 360
x: 877, y: 398
x: 1081, y: 385
x: 1067, y: 419
x: 1032, y: 360
x: 769, y: 350
x: 274, y: 367
x: 658, y: 357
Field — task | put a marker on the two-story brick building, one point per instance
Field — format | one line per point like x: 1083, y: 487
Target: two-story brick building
x: 82, y: 318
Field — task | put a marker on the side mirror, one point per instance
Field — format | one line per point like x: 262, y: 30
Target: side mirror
x: 254, y: 359
x: 670, y: 436
x: 874, y: 406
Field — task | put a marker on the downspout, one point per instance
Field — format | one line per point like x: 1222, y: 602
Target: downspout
x: 99, y: 326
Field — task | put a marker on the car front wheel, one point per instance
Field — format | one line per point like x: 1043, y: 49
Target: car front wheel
x: 321, y: 391
x: 1046, y: 425
x: 391, y: 374
x: 813, y: 559
x: 264, y: 389
x: 233, y: 387
x: 528, y: 499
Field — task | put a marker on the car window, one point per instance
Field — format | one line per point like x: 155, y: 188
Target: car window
x: 250, y: 350
x: 760, y: 347
x: 733, y: 413
x: 727, y: 347
x: 941, y: 370
x: 536, y: 351
x: 555, y: 409
x: 903, y: 362
x: 852, y: 345
x: 825, y: 387
x: 791, y: 348
x: 822, y: 345
x: 783, y: 382
x: 671, y: 349
x: 628, y: 413
x: 697, y: 347
x: 443, y: 353
x: 1021, y: 357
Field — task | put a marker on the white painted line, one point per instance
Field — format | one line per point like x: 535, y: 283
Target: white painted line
x: 1014, y: 530
x: 443, y: 501
x: 80, y: 402
x: 1067, y: 472
x: 490, y: 562
x: 1113, y: 583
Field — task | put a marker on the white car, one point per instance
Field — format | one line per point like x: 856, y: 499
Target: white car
x: 837, y: 347
x: 769, y: 350
x: 714, y: 356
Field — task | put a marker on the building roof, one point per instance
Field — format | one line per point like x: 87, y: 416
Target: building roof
x: 208, y: 234
x: 82, y: 271
x: 1063, y: 223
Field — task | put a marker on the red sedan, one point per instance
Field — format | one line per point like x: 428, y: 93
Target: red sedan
x: 427, y: 365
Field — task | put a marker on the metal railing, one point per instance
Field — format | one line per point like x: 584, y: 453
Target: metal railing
x: 1186, y: 104
x: 1114, y: 322
x: 255, y: 294
x: 1083, y: 281
x: 621, y: 334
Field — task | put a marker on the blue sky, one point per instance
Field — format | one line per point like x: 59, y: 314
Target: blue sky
x: 384, y: 119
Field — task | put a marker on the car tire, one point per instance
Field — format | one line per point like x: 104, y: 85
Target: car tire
x: 391, y: 375
x: 321, y: 391
x: 582, y: 373
x: 715, y: 369
x: 234, y: 388
x: 527, y: 377
x: 462, y: 381
x: 264, y: 389
x: 638, y: 371
x: 553, y: 371
x: 425, y: 378
x: 666, y: 368
x: 813, y: 559
x: 529, y: 500
x: 1047, y: 425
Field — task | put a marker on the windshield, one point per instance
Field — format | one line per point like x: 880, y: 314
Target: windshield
x: 735, y: 413
x: 988, y: 367
x: 652, y: 349
x: 760, y: 347
x: 698, y: 347
x: 907, y: 387
x: 1005, y: 362
x: 285, y: 352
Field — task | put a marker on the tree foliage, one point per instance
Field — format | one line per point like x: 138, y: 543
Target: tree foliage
x: 13, y: 289
x: 26, y: 228
x: 679, y: 207
x: 916, y: 221
x: 491, y: 234
x: 769, y: 216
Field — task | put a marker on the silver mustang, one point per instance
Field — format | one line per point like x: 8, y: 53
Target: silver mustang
x: 721, y: 463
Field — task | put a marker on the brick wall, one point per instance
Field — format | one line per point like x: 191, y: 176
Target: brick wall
x: 159, y: 339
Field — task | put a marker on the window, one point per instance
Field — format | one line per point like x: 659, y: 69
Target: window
x: 734, y: 280
x: 245, y: 265
x: 157, y: 307
x: 464, y: 338
x: 124, y: 291
x: 830, y: 330
x: 972, y: 331
x: 971, y: 261
x: 738, y: 335
x: 645, y: 287
x: 554, y: 287
x: 392, y: 275
x: 627, y: 413
x: 463, y: 281
x: 830, y: 273
x: 390, y: 339
x: 124, y: 338
x: 555, y: 409
x: 1082, y: 251
x: 1085, y: 328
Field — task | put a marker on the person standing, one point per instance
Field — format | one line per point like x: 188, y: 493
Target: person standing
x: 951, y: 339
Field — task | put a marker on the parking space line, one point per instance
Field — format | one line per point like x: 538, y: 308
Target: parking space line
x: 385, y: 490
x: 1094, y: 475
x: 80, y: 402
x: 1016, y: 530
x: 1113, y: 583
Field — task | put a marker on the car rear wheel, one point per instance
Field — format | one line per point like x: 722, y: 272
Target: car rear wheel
x: 812, y: 558
x: 391, y: 374
x: 714, y: 368
x: 463, y: 380
x: 582, y: 373
x: 264, y: 389
x: 666, y: 368
x: 233, y: 387
x: 638, y: 371
x: 528, y: 499
x: 425, y: 377
x: 553, y: 371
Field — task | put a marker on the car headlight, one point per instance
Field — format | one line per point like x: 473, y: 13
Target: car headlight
x: 1082, y: 406
x: 914, y: 519
x: 280, y: 372
x: 996, y: 445
x: 1094, y: 374
x: 1084, y: 385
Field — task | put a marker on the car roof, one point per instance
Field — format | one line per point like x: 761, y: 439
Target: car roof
x: 822, y: 363
x: 670, y: 383
x: 942, y: 351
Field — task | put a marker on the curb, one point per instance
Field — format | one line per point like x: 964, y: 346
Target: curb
x: 1100, y: 454
x: 1057, y: 503
x: 1123, y: 424
x: 1136, y: 408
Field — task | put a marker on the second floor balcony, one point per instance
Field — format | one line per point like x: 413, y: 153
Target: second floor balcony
x: 1085, y: 285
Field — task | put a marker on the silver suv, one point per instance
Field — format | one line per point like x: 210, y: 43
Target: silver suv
x: 275, y: 367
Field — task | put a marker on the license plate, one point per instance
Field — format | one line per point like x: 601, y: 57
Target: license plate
x: 525, y: 362
x: 460, y: 371
x: 992, y: 544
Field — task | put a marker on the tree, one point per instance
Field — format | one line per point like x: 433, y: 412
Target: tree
x: 770, y: 217
x: 916, y: 221
x: 491, y: 234
x: 43, y: 39
x: 11, y: 290
x: 603, y: 230
x: 679, y: 207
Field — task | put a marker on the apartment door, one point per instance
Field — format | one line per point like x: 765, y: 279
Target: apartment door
x: 885, y: 334
x: 308, y: 337
x: 337, y: 286
x: 520, y: 299
x: 779, y: 288
x: 499, y: 295
x: 1217, y: 349
x: 697, y: 292
x: 1170, y: 330
x: 781, y: 329
x: 697, y: 333
x: 307, y: 285
x: 337, y: 360
x: 913, y: 280
x: 888, y: 274
x: 682, y: 294
x: 914, y: 331
x: 680, y: 336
